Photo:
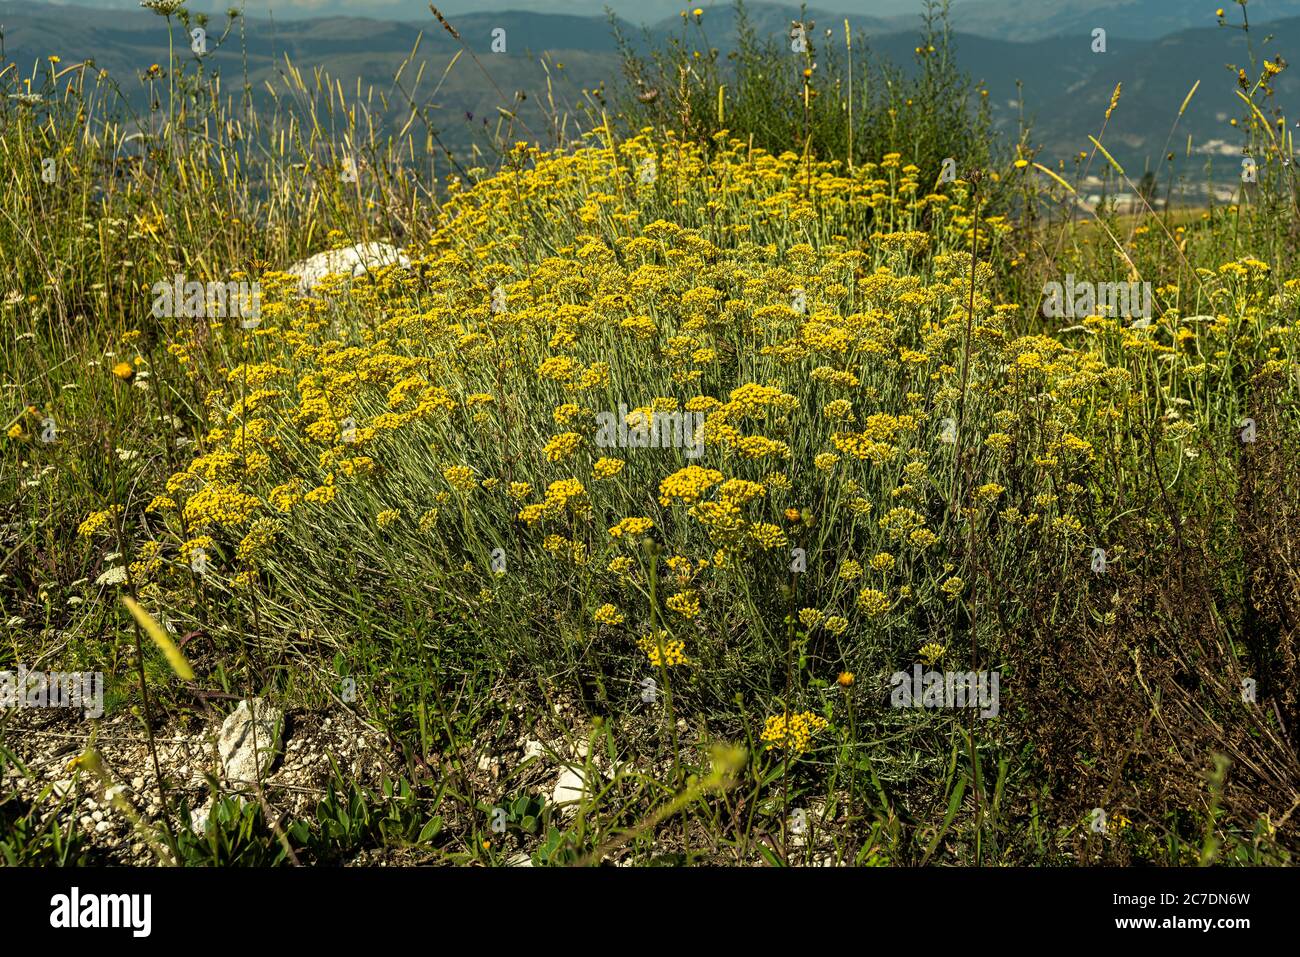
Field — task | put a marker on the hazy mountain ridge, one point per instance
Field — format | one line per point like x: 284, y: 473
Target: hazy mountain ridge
x: 1067, y: 87
x: 1017, y: 20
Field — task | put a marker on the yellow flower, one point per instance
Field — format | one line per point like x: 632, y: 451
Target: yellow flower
x: 631, y: 527
x: 687, y: 485
x: 562, y: 446
x: 792, y: 733
x: 96, y: 522
x: 608, y: 615
x: 685, y: 603
x: 459, y: 477
x: 845, y: 679
x: 674, y: 652
x: 124, y: 371
x: 874, y: 602
x: 320, y: 495
x: 606, y: 467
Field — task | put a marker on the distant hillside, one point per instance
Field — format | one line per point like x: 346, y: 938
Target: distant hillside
x: 1067, y: 87
x: 1141, y: 19
x: 1016, y: 20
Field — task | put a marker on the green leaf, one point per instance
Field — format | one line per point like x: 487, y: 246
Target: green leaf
x: 429, y: 830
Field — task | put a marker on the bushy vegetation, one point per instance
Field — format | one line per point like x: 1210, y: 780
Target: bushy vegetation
x: 404, y: 480
x: 817, y: 91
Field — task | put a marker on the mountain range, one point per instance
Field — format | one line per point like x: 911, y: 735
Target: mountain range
x: 1065, y: 86
x: 1018, y: 20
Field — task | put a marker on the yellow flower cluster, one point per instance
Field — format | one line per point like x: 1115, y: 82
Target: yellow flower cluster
x: 674, y: 651
x: 792, y: 733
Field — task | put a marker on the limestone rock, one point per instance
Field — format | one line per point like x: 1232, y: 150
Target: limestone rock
x: 351, y: 261
x: 568, y: 791
x: 243, y: 760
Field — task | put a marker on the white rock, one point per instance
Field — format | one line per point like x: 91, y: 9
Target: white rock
x: 533, y: 749
x: 520, y: 860
x: 351, y: 261
x: 243, y: 760
x: 568, y: 791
